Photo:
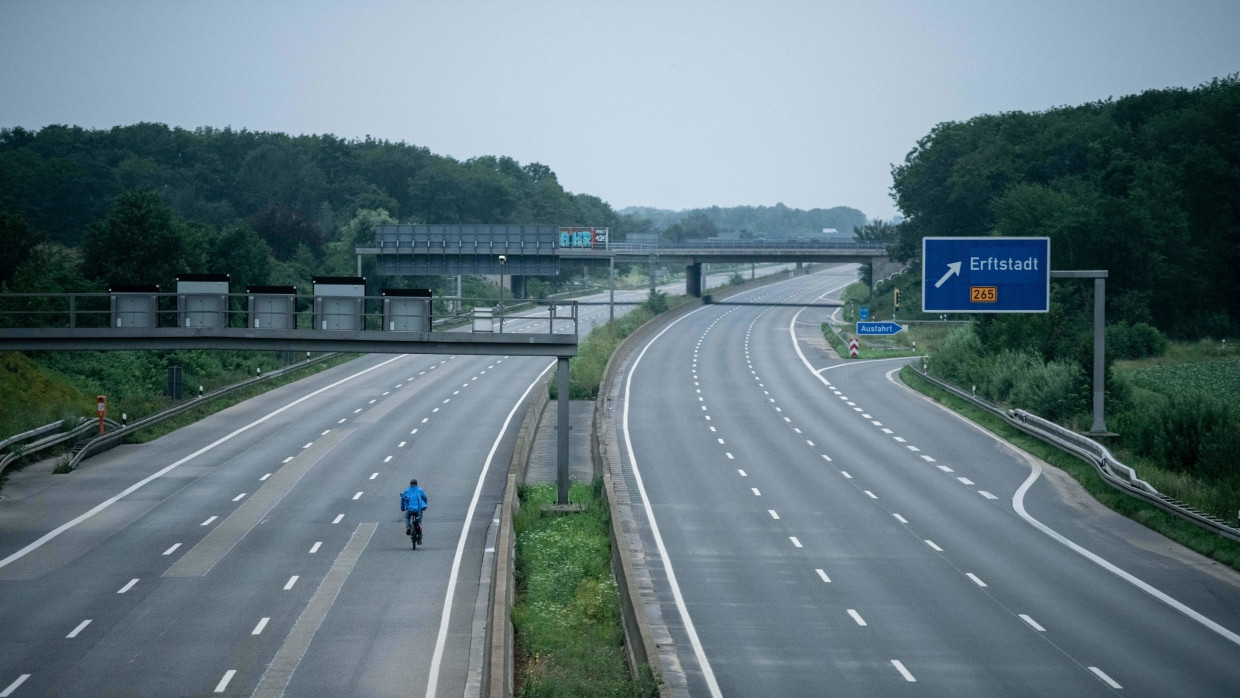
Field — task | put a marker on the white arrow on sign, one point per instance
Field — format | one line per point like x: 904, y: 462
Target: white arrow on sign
x: 952, y: 269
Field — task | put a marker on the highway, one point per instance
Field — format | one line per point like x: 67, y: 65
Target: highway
x: 261, y: 549
x: 813, y: 527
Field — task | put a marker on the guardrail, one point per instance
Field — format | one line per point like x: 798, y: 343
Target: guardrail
x: 1114, y: 473
x: 84, y: 426
x: 109, y: 439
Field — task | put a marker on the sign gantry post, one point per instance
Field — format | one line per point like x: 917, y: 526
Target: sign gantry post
x: 1005, y: 275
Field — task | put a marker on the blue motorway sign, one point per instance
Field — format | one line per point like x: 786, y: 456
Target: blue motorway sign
x: 865, y: 312
x: 879, y: 328
x: 986, y: 275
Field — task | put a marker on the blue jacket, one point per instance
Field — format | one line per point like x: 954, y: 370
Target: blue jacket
x: 413, y: 499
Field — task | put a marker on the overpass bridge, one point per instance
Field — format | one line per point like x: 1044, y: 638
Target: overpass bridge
x: 524, y: 250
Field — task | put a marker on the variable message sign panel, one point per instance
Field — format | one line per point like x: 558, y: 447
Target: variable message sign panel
x: 986, y: 275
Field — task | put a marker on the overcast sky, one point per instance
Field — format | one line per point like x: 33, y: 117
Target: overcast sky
x: 669, y: 104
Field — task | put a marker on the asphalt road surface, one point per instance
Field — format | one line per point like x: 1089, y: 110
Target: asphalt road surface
x: 828, y: 531
x: 262, y: 550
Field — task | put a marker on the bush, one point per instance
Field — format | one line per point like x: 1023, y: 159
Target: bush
x: 1125, y: 341
x: 1188, y: 431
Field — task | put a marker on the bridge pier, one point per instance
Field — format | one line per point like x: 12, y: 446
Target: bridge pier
x: 518, y: 286
x: 693, y: 280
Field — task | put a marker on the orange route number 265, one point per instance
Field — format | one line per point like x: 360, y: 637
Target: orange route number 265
x: 983, y: 294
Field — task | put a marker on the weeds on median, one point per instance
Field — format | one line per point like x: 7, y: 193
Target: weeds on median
x: 567, y: 614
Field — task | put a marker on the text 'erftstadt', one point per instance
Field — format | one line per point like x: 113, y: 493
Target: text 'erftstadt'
x: 997, y: 264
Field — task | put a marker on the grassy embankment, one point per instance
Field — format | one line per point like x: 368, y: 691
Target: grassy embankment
x: 64, y: 385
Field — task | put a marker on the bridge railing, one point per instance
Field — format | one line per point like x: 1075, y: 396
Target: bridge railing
x: 267, y: 311
x: 746, y: 245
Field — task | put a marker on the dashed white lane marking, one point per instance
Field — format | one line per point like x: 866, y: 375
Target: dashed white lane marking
x: 307, y: 445
x: 899, y: 439
x: 845, y: 474
x: 223, y: 684
x: 291, y: 581
x: 721, y: 442
x: 413, y: 432
x: 729, y: 455
x: 871, y: 495
x: 208, y: 521
x: 239, y: 497
x: 386, y: 392
x: 343, y: 420
x: 756, y: 493
x: 357, y: 410
x: 287, y: 459
x: 81, y: 626
x: 887, y: 431
x: 866, y: 416
x: 425, y: 420
x: 914, y: 449
x: 795, y: 542
x: 986, y: 494
x: 1102, y: 675
x: 946, y: 469
x: 1032, y: 623
x: 856, y: 409
x: 976, y: 581
x: 811, y: 443
x: 965, y: 481
x: 258, y: 629
x: 357, y: 496
x: 926, y: 458
x: 936, y: 548
x: 315, y: 548
x: 338, y: 518
x: 401, y: 444
x: 796, y: 430
x: 8, y: 691
x: 742, y: 472
x: 903, y: 672
x: 823, y: 575
x: 435, y: 410
x: 857, y: 617
x: 711, y: 428
x: 372, y: 402
x: 387, y: 460
x: 901, y: 519
x: 374, y: 475
x: 173, y: 549
x: 326, y: 432
x: 261, y: 479
x: 773, y: 513
x: 127, y: 587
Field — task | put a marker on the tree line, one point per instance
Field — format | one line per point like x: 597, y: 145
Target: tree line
x: 140, y: 203
x: 1145, y: 186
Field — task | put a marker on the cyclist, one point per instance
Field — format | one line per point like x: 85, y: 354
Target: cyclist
x: 412, y: 502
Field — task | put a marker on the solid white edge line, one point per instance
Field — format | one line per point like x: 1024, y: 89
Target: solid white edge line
x: 1018, y: 504
x: 441, y: 639
x: 708, y: 675
x: 143, y: 482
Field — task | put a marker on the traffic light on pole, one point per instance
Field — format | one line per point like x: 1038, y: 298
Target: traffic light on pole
x: 896, y: 300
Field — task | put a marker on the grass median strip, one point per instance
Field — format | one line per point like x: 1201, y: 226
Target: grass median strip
x: 569, y: 637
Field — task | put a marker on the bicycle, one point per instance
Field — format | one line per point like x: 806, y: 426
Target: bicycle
x: 414, y: 529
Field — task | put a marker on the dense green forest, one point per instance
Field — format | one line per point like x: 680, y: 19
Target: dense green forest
x: 81, y: 207
x: 748, y: 222
x: 1145, y: 186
